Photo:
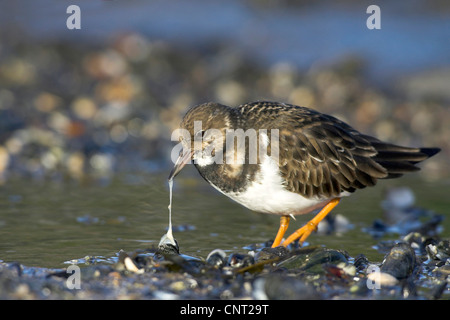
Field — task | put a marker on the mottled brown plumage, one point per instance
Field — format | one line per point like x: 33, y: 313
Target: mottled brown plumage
x: 321, y: 158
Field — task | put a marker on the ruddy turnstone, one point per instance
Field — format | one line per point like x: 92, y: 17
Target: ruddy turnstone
x: 315, y: 159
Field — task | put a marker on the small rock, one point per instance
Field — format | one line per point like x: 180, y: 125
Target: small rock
x: 361, y: 262
x: 348, y: 269
x: 443, y: 249
x: 282, y: 287
x: 216, y: 258
x: 237, y: 260
x: 400, y: 261
x: 439, y: 289
x: 168, y: 245
x: 131, y: 266
x: 312, y: 260
x: 382, y: 279
x: 442, y: 272
x: 178, y: 286
x: 271, y: 253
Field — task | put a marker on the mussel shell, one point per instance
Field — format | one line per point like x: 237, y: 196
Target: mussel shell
x: 400, y: 261
x: 168, y: 245
x: 237, y: 260
x: 216, y: 258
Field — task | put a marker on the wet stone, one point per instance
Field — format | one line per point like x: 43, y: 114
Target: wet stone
x: 166, y: 246
x: 443, y: 249
x: 417, y: 241
x: 282, y: 287
x: 313, y: 261
x: 442, y: 272
x: 177, y: 263
x: 361, y: 262
x: 237, y: 260
x: 382, y: 279
x: 11, y: 269
x: 216, y: 258
x: 432, y: 251
x: 439, y: 289
x: 271, y: 253
x: 400, y: 261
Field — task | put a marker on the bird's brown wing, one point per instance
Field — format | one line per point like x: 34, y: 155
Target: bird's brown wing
x: 324, y: 156
x: 321, y: 156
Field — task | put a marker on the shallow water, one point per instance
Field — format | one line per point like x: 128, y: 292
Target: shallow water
x: 46, y: 224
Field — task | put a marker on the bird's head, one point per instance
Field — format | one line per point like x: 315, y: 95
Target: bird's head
x: 202, y: 135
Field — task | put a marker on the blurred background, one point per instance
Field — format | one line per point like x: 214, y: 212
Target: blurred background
x: 85, y: 105
x: 106, y: 98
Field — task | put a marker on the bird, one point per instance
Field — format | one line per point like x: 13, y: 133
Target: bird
x: 287, y: 160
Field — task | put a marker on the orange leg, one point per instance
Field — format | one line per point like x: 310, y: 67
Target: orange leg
x: 284, y: 224
x: 311, y: 226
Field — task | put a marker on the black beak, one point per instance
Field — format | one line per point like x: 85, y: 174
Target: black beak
x: 182, y: 160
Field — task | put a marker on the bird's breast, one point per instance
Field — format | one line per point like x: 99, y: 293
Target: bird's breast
x: 265, y: 192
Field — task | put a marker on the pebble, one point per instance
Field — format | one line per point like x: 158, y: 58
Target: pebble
x: 238, y: 260
x: 443, y: 249
x: 348, y: 269
x: 361, y: 262
x: 400, y: 261
x: 313, y: 261
x: 131, y: 266
x: 166, y: 247
x: 282, y: 287
x: 443, y: 272
x: 383, y: 279
x: 216, y: 258
x: 271, y: 253
x: 84, y: 108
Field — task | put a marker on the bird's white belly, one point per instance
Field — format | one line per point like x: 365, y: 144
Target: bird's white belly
x: 275, y: 201
x: 267, y: 194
